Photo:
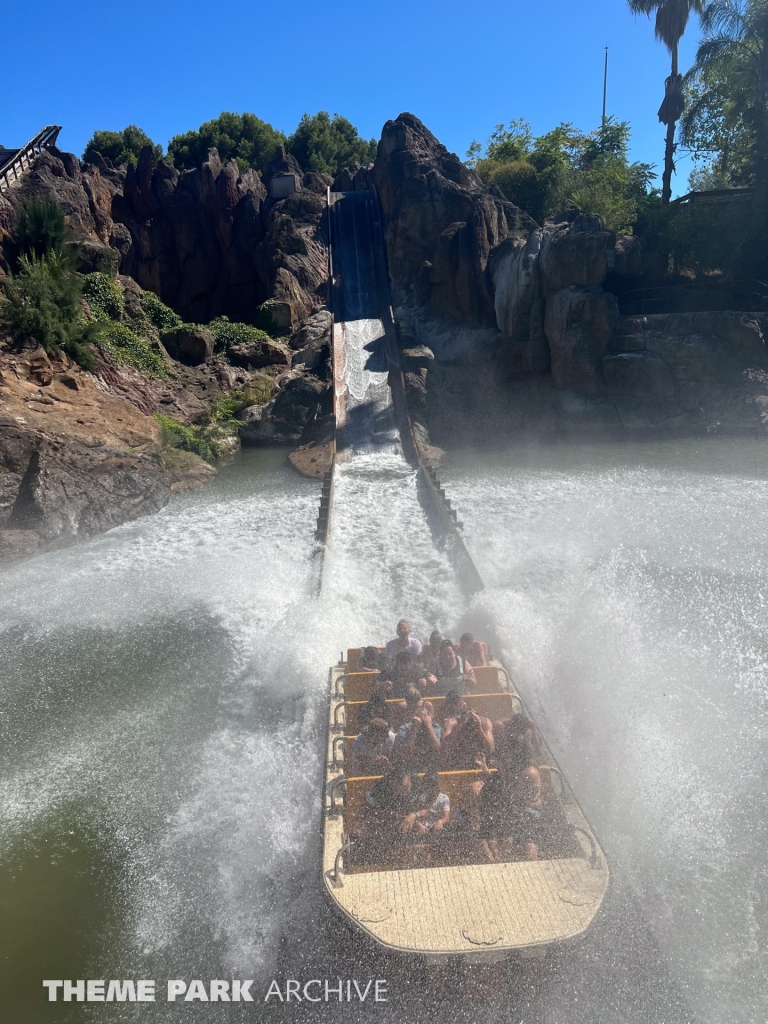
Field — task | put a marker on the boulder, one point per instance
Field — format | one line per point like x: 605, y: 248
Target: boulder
x: 316, y: 329
x: 579, y: 324
x: 257, y: 354
x: 638, y: 375
x: 416, y: 357
x: 314, y: 181
x: 290, y: 416
x: 574, y: 251
x: 313, y: 460
x: 189, y: 345
x: 629, y: 257
x: 437, y: 211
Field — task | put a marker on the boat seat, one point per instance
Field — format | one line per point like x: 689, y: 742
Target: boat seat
x: 495, y: 706
x: 360, y: 685
x: 489, y: 679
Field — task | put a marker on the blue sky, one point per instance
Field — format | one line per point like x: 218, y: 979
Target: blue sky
x: 462, y: 68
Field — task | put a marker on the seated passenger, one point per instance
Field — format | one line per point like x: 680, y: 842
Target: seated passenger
x: 387, y: 816
x: 427, y: 681
x: 376, y: 707
x: 404, y: 674
x: 370, y: 660
x: 452, y: 670
x: 404, y: 643
x: 465, y: 736
x: 471, y: 650
x: 435, y: 811
x: 417, y: 747
x: 506, y: 811
x: 431, y: 650
x: 519, y: 729
x: 371, y: 750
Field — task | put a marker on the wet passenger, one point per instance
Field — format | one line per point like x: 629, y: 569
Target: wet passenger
x: 417, y: 747
x: 370, y: 660
x: 452, y: 670
x: 386, y: 817
x: 466, y: 735
x: 404, y: 674
x: 376, y: 707
x: 371, y: 750
x: 519, y: 729
x: 435, y: 812
x: 431, y: 651
x: 507, y: 811
x: 403, y: 643
x: 471, y: 650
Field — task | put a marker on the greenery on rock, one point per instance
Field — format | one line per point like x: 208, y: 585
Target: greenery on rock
x: 40, y: 228
x: 226, y: 333
x: 121, y: 147
x: 241, y: 137
x: 329, y: 144
x: 161, y: 317
x: 542, y: 175
x: 41, y: 303
x: 129, y: 348
x: 104, y: 297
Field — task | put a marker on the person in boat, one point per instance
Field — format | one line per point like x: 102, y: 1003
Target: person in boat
x: 452, y: 670
x: 471, y: 650
x: 405, y: 672
x: 372, y: 749
x: 417, y: 747
x: 515, y: 731
x: 376, y: 706
x: 465, y: 735
x: 435, y: 812
x: 506, y: 810
x: 431, y: 651
x: 371, y: 660
x: 403, y: 643
x: 386, y: 818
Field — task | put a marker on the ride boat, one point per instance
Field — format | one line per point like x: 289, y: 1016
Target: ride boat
x: 480, y: 912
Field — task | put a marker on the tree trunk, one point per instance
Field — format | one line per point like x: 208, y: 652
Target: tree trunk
x: 669, y: 148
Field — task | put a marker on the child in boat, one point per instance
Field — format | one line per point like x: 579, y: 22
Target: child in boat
x: 435, y: 813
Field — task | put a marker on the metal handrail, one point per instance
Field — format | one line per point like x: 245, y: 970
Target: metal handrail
x: 335, y: 761
x: 506, y: 676
x: 564, y: 792
x: 341, y: 704
x: 44, y: 138
x: 339, y: 679
x: 335, y: 874
x: 594, y: 861
x: 333, y: 810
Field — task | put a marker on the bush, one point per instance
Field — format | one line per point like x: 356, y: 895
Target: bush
x: 128, y: 348
x: 325, y: 143
x: 242, y: 137
x: 104, y: 297
x: 40, y: 228
x: 121, y: 147
x: 226, y: 333
x: 42, y: 304
x: 186, y: 439
x: 159, y: 315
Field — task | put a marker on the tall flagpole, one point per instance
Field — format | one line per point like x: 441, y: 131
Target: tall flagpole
x: 605, y: 83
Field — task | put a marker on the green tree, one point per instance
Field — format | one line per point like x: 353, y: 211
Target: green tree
x: 671, y: 21
x: 121, y: 147
x: 241, y: 137
x: 42, y: 304
x: 328, y: 144
x: 729, y: 84
x: 40, y: 228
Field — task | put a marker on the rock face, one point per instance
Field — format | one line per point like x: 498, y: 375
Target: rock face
x: 191, y: 346
x: 209, y: 241
x: 77, y: 456
x: 440, y: 223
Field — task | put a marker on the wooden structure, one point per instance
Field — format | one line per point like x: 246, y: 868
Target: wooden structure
x: 13, y: 162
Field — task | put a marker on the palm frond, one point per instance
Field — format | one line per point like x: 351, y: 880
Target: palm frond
x: 724, y: 17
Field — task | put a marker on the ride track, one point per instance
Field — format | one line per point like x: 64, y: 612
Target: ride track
x: 370, y: 406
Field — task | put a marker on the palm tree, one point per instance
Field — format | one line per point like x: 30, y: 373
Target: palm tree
x: 736, y: 36
x: 671, y: 21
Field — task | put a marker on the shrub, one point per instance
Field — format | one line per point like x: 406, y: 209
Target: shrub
x: 226, y: 333
x: 128, y: 348
x: 40, y: 228
x: 104, y: 297
x: 42, y: 304
x: 242, y: 137
x: 187, y: 439
x: 159, y: 315
x: 121, y: 147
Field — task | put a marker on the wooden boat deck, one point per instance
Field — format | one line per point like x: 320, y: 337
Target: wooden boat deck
x: 479, y: 911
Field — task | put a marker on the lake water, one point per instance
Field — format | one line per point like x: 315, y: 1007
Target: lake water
x: 163, y: 700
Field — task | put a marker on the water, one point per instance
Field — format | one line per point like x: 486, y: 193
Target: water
x: 163, y: 699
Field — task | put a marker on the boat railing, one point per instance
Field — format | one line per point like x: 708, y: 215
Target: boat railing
x: 335, y: 762
x: 333, y: 809
x: 335, y: 873
x: 594, y: 861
